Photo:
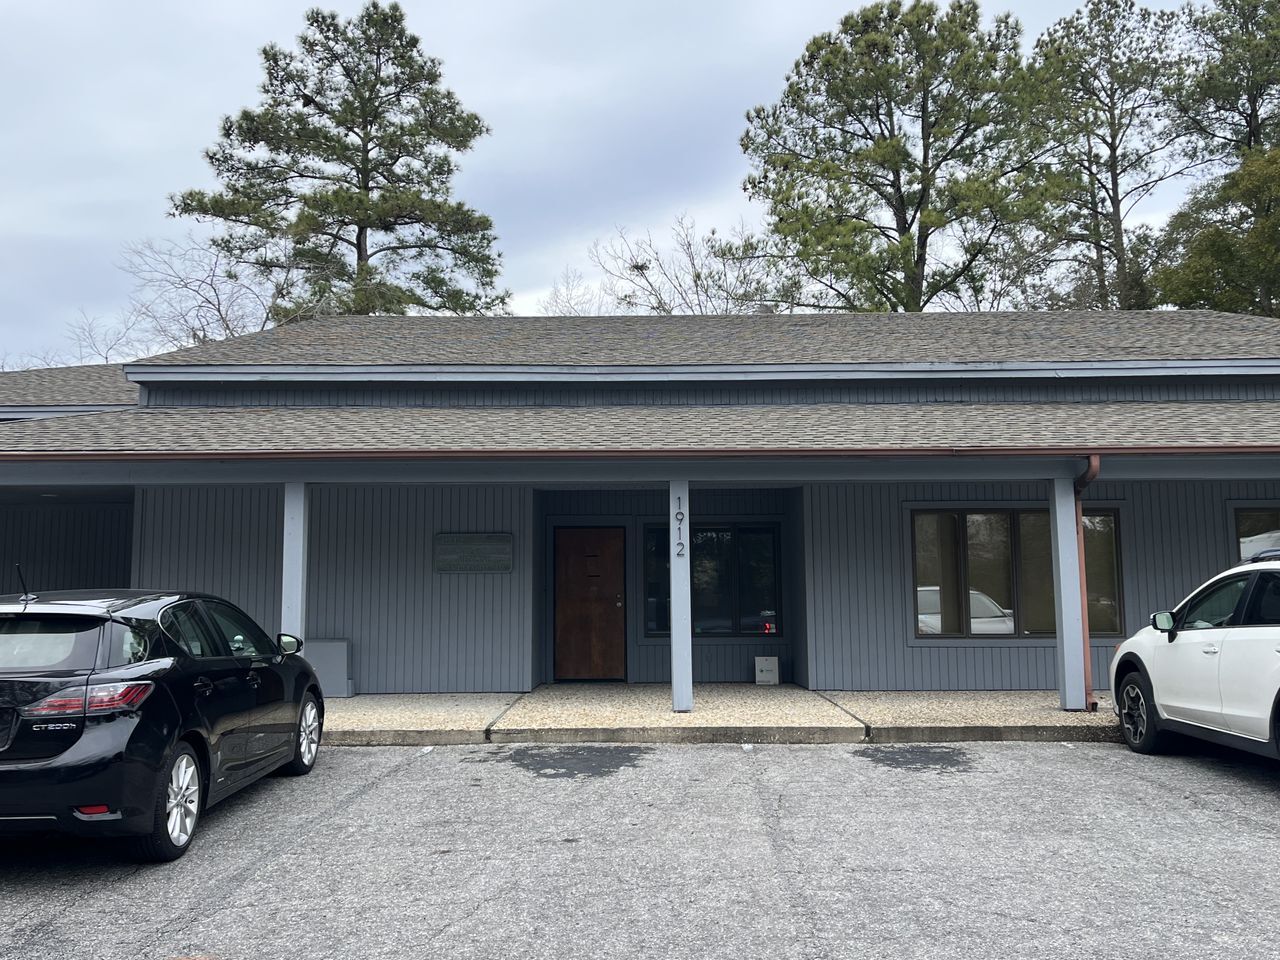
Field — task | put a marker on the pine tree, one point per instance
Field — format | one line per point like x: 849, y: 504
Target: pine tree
x: 342, y: 175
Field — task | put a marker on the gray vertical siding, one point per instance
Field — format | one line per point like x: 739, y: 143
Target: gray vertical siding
x: 223, y: 540
x: 370, y: 581
x: 1173, y: 535
x: 65, y: 546
x: 848, y: 617
x: 649, y: 658
x: 860, y: 612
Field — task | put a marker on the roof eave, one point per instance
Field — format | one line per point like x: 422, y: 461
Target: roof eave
x: 36, y: 411
x: 144, y: 373
x: 806, y: 453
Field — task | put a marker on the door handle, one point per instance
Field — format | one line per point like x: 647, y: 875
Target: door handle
x: 203, y: 686
x: 254, y: 680
x: 1209, y: 651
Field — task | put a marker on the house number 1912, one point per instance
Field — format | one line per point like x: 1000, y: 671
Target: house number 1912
x: 679, y: 521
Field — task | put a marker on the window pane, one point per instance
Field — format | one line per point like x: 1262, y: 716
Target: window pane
x: 182, y: 624
x: 657, y: 581
x: 711, y: 573
x: 1214, y: 607
x: 47, y: 642
x: 990, y: 557
x: 937, y: 574
x: 1256, y: 530
x: 1102, y: 573
x: 242, y: 636
x: 1264, y: 602
x: 757, y: 581
x: 1035, y: 573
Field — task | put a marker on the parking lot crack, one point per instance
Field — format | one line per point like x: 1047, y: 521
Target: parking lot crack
x: 788, y: 869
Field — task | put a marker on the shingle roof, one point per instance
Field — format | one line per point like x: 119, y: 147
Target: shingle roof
x: 813, y: 428
x: 775, y: 339
x: 91, y: 384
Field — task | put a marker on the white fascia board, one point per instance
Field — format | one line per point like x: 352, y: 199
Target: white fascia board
x: 498, y: 373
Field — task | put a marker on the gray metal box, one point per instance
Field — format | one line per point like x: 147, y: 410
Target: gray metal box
x: 767, y: 670
x: 332, y: 662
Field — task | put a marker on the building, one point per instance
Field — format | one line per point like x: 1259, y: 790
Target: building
x: 489, y: 504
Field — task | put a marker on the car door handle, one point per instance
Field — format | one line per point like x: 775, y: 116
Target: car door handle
x: 203, y: 686
x: 255, y: 680
x: 1209, y: 651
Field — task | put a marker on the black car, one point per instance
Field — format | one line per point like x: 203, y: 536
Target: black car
x: 128, y: 713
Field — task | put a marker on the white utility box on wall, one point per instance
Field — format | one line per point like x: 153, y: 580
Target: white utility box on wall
x: 767, y: 670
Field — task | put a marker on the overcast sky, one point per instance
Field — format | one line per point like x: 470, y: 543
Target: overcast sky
x: 603, y: 114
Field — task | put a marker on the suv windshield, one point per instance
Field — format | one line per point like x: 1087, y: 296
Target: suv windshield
x: 47, y: 642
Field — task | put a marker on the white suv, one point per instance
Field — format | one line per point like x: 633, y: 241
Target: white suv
x: 1209, y: 668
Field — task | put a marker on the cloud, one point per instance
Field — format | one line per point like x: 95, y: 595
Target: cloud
x: 602, y: 114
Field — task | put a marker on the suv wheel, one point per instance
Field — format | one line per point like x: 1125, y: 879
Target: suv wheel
x: 1138, y: 716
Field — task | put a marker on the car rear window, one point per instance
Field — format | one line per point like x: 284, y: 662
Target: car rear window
x: 47, y: 642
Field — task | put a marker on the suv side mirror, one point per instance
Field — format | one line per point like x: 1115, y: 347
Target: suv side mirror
x: 289, y: 643
x: 1163, y: 621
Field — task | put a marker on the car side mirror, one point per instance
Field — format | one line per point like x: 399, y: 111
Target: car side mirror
x: 289, y: 643
x: 1163, y: 621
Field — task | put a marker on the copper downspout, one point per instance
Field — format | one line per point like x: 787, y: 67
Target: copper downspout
x: 1087, y: 477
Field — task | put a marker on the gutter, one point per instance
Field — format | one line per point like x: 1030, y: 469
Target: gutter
x: 155, y: 373
x: 1087, y: 477
x: 13, y: 411
x: 589, y: 453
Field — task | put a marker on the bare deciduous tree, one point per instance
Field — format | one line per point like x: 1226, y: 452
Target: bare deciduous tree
x: 571, y: 295
x: 189, y: 291
x: 697, y: 273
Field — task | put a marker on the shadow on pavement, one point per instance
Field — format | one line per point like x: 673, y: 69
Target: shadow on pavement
x: 1258, y: 770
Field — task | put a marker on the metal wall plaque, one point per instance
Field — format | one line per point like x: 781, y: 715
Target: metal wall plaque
x: 472, y: 553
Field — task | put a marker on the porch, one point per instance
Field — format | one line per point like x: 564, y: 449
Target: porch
x: 726, y: 713
x: 347, y: 554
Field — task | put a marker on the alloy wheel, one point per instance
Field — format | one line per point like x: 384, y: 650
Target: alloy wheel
x: 182, y: 801
x: 1133, y: 713
x: 309, y: 733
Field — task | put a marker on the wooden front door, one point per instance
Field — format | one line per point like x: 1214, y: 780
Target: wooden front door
x: 590, y: 612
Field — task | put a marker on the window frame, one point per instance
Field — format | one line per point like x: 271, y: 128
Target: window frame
x: 733, y: 524
x: 1011, y: 508
x: 1233, y: 531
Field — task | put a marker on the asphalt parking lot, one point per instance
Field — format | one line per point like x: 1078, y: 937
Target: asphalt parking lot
x: 964, y: 850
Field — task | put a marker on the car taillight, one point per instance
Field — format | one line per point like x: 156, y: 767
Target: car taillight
x: 116, y: 697
x: 64, y: 703
x: 96, y: 700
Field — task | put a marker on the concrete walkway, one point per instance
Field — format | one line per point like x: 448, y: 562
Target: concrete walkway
x: 723, y: 713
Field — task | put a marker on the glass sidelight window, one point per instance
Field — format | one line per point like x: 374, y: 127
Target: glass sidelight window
x: 989, y: 573
x: 734, y: 580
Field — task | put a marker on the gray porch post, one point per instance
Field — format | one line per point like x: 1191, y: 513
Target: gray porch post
x: 293, y: 579
x: 681, y: 609
x: 1068, y: 606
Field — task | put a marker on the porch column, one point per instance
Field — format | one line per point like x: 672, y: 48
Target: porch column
x: 293, y: 579
x: 1067, y: 594
x: 681, y: 610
